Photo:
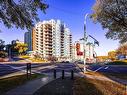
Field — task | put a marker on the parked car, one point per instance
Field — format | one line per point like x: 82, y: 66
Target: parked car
x: 79, y: 62
x: 65, y: 62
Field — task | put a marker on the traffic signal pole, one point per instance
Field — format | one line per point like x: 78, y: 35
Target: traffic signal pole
x: 85, y: 42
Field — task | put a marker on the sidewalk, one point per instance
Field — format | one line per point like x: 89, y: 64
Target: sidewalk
x: 57, y: 87
x: 31, y: 87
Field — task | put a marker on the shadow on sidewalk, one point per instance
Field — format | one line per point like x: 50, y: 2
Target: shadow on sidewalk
x: 68, y: 87
x: 57, y: 87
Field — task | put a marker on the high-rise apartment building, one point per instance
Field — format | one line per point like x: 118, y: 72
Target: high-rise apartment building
x: 67, y: 43
x: 28, y: 40
x: 52, y: 38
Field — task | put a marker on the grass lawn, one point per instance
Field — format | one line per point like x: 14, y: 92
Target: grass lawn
x: 85, y: 86
x: 9, y: 83
x: 31, y: 59
x: 37, y: 60
x: 117, y: 75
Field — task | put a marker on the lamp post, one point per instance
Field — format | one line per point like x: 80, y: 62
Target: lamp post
x: 85, y: 41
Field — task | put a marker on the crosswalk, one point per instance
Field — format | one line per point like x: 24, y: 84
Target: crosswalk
x: 6, y: 69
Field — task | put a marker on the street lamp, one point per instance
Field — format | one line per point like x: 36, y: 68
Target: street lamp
x: 85, y: 41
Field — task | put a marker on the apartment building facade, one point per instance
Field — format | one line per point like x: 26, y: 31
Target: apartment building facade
x: 52, y: 38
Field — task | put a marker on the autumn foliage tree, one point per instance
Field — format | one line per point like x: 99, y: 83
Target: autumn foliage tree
x: 112, y: 55
x: 122, y: 49
x: 2, y: 45
x: 20, y: 48
x: 112, y: 15
x: 52, y: 58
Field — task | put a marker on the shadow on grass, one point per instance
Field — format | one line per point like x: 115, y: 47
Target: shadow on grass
x: 83, y: 86
x: 116, y: 86
x: 86, y: 86
x: 118, y: 77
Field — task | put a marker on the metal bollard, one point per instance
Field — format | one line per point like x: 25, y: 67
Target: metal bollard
x: 125, y: 89
x: 62, y: 74
x: 54, y: 74
x: 72, y: 74
x: 28, y: 69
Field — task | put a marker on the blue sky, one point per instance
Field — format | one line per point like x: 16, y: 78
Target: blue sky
x: 72, y: 13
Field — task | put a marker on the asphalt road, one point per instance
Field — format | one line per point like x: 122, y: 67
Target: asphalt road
x: 6, y: 69
x: 119, y: 69
x: 109, y: 68
x: 48, y: 69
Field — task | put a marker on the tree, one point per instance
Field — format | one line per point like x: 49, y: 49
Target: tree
x: 20, y: 13
x: 3, y: 52
x: 122, y: 49
x: 2, y: 45
x: 112, y: 55
x: 112, y: 15
x: 37, y: 56
x: 52, y: 58
x: 20, y: 48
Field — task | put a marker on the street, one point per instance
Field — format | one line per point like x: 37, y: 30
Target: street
x: 105, y: 68
x: 47, y: 68
x: 109, y: 68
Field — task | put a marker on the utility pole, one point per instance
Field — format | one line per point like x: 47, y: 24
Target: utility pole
x: 85, y: 41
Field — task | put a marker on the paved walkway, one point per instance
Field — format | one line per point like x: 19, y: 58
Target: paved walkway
x: 31, y: 87
x: 57, y: 87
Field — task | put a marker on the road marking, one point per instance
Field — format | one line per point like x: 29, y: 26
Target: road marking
x: 98, y: 69
x: 17, y: 68
x: 106, y: 67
